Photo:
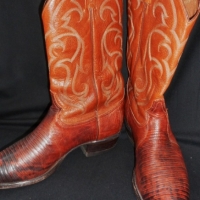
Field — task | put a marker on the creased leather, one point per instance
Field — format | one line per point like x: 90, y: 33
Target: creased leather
x: 84, y: 50
x: 158, y: 31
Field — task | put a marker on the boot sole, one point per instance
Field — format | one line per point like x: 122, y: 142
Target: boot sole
x: 137, y: 192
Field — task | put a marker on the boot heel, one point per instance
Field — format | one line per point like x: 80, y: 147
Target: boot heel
x: 99, y: 147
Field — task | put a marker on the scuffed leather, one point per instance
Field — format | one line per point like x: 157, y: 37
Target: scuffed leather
x: 84, y: 50
x: 158, y: 31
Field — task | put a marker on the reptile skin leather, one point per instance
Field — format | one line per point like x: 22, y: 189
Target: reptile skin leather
x: 158, y: 31
x: 84, y: 51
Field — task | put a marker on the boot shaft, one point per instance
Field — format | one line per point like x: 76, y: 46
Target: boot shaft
x: 84, y: 50
x: 158, y: 31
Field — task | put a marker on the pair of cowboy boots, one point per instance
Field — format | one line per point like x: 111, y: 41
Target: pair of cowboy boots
x: 84, y: 51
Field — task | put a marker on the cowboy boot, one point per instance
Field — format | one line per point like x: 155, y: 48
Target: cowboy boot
x: 158, y: 31
x: 84, y: 51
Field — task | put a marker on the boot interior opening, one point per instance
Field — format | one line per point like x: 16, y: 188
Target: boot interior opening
x: 191, y: 7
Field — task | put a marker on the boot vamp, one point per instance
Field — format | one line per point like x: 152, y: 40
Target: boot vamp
x: 38, y: 153
x: 160, y: 170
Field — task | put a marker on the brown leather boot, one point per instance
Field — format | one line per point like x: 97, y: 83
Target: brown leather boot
x: 84, y: 50
x: 158, y: 31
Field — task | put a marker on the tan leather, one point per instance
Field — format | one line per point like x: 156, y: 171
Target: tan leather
x: 84, y: 50
x: 191, y: 7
